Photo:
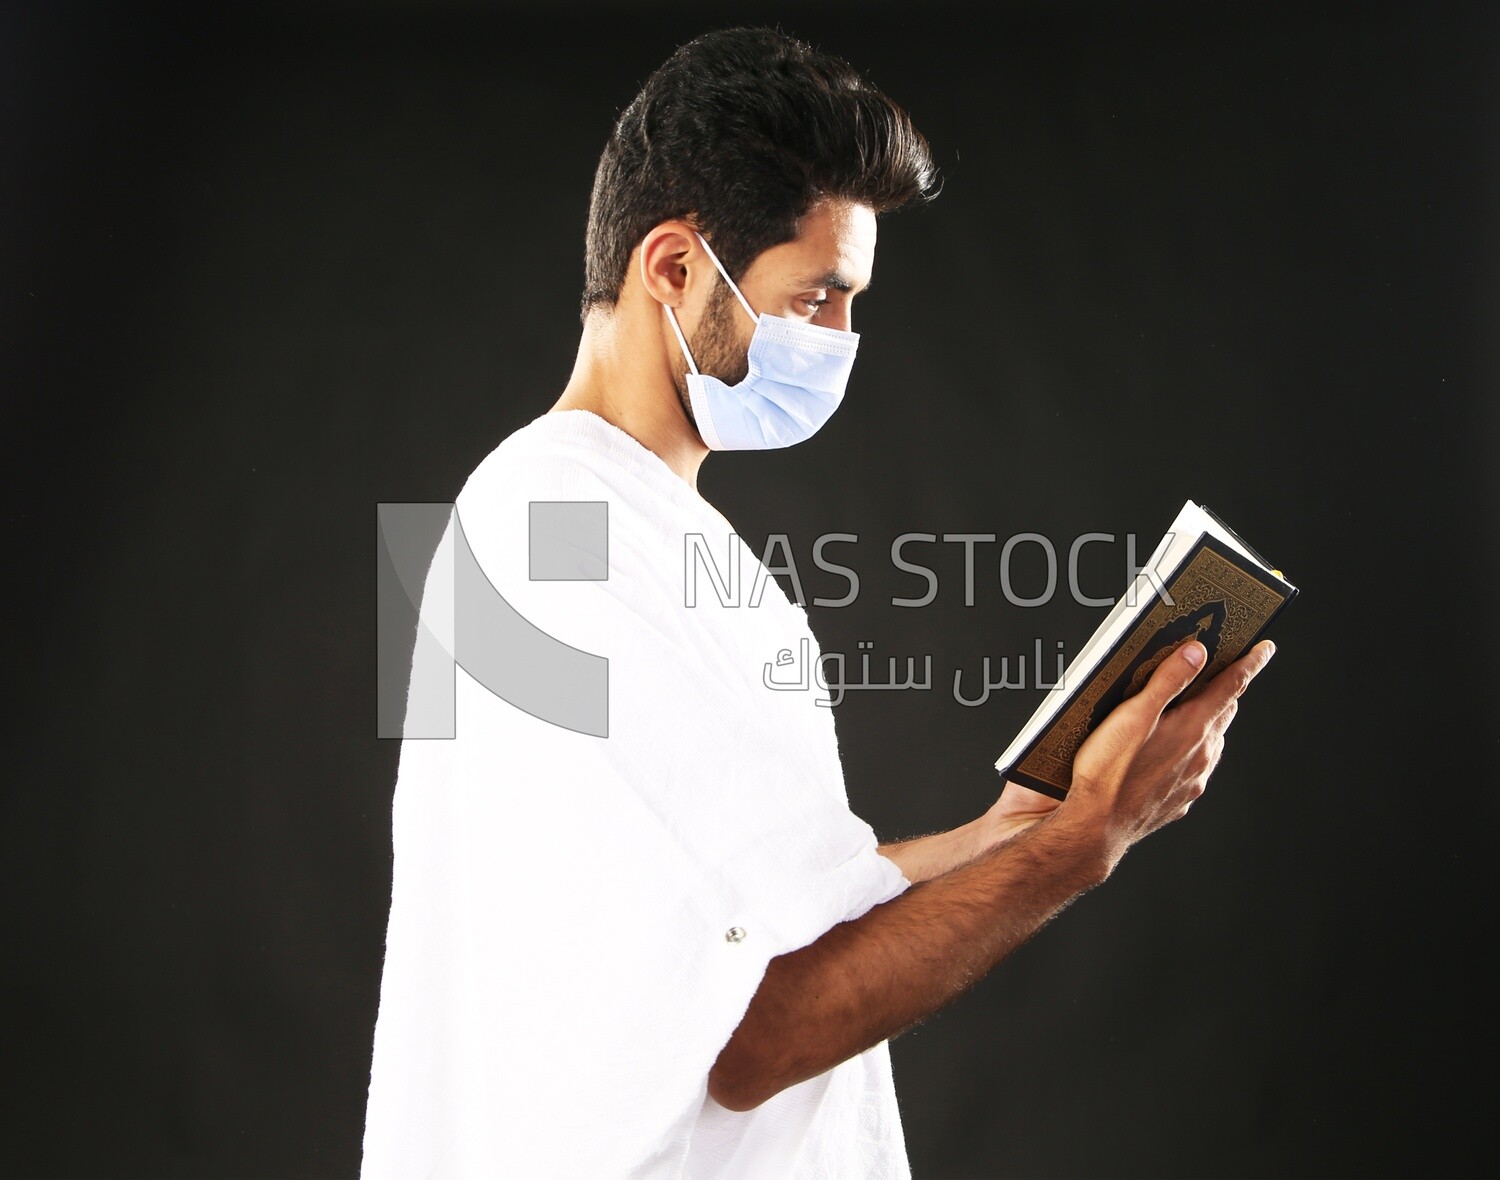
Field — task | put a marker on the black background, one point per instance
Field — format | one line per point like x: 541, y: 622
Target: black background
x: 266, y: 267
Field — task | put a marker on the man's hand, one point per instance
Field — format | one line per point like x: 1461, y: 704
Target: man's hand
x: 1163, y: 753
x: 1149, y: 760
x: 1159, y: 750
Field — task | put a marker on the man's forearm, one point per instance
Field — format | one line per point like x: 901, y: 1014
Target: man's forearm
x: 867, y: 980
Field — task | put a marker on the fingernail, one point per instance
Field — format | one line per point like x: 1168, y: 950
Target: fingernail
x: 1270, y: 650
x: 1194, y: 654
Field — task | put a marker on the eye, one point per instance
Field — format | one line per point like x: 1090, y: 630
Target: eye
x: 813, y: 305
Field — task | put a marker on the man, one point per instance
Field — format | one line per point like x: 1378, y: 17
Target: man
x: 674, y: 951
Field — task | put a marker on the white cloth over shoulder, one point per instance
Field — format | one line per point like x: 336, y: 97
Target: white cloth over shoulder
x: 560, y: 973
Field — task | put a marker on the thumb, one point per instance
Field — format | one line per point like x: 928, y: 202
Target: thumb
x: 1173, y: 675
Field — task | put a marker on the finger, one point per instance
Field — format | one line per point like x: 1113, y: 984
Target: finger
x: 1238, y: 675
x: 1173, y: 675
x: 1213, y: 712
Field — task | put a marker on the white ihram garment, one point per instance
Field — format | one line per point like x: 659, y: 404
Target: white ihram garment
x: 557, y: 979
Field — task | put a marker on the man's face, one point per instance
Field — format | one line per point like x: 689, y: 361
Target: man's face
x: 813, y: 278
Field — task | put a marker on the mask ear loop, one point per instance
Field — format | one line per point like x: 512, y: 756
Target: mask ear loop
x: 686, y: 355
x: 745, y: 303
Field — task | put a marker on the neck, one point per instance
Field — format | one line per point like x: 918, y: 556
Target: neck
x: 622, y: 374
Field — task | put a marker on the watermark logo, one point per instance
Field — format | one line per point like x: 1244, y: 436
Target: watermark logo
x: 430, y: 585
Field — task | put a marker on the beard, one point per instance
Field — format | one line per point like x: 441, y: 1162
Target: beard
x: 717, y: 347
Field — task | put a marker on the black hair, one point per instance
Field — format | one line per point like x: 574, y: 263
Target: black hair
x: 741, y: 131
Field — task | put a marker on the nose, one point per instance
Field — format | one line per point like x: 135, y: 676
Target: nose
x: 839, y: 316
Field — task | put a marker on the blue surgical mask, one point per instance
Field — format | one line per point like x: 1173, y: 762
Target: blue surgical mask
x: 796, y: 380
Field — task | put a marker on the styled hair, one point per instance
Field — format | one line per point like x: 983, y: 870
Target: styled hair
x: 741, y: 131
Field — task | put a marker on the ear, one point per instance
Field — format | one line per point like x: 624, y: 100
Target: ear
x: 674, y: 268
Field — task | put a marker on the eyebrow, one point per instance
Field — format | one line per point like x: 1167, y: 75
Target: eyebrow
x: 834, y: 282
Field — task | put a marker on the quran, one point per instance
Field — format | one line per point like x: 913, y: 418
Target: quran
x: 1202, y: 582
